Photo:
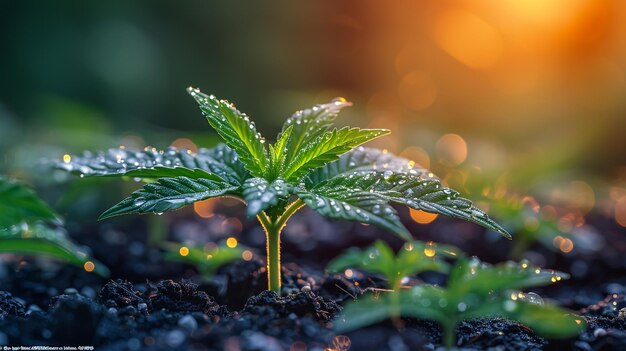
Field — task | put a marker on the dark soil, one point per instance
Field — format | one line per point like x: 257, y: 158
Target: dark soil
x: 175, y: 308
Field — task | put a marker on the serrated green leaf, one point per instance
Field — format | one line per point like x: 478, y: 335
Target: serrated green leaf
x: 39, y: 240
x: 20, y: 204
x: 326, y: 148
x: 278, y: 152
x: 260, y: 194
x: 168, y: 194
x: 236, y: 129
x: 309, y: 124
x: 355, y: 205
x: 403, y: 182
x: 415, y: 257
x: 148, y: 163
x: 363, y: 160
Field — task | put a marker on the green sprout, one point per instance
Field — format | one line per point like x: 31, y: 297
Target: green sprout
x: 311, y: 163
x: 29, y: 227
x: 414, y: 258
x: 474, y: 290
x: 206, y: 260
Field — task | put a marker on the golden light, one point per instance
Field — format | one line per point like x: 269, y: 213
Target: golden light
x: 417, y: 155
x: 620, y: 212
x: 417, y: 90
x: 231, y: 242
x: 468, y: 38
x: 183, y: 251
x: 89, y: 266
x: 422, y: 217
x: 184, y: 143
x: 67, y: 158
x: 452, y: 149
x: 429, y: 250
x: 246, y: 255
x: 566, y: 245
x: 204, y: 208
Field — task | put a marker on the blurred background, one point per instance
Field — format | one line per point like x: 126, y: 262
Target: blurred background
x: 522, y: 101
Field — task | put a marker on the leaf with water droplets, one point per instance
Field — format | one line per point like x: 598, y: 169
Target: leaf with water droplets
x: 363, y: 160
x: 309, y: 124
x: 354, y: 205
x: 237, y: 131
x: 261, y: 194
x: 278, y: 153
x: 18, y: 203
x: 168, y: 194
x: 415, y: 257
x: 38, y: 239
x: 149, y: 163
x: 328, y: 147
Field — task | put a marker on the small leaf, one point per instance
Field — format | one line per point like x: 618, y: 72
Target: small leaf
x: 39, y: 240
x: 309, y: 124
x: 326, y: 148
x: 148, y: 163
x: 169, y: 194
x: 20, y: 204
x: 207, y: 261
x: 278, y: 152
x: 236, y: 129
x: 355, y: 205
x: 261, y: 195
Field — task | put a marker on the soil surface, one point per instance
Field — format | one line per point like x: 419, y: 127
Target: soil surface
x: 151, y: 304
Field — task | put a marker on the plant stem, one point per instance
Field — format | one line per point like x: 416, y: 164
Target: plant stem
x: 273, y: 229
x: 449, y: 338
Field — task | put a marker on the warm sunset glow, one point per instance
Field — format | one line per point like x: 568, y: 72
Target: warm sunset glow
x: 468, y: 38
x: 204, y: 208
x: 620, y: 212
x: 452, y: 149
x: 417, y: 90
x: 422, y: 217
x: 417, y: 155
x: 184, y: 143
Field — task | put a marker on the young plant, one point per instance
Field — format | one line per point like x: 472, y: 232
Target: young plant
x: 474, y: 290
x: 311, y: 163
x: 23, y: 229
x: 415, y: 257
x: 206, y: 260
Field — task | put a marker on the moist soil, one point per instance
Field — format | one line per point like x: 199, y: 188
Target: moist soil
x: 157, y: 305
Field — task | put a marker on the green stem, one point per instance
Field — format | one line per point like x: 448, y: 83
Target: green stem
x: 449, y: 338
x: 273, y: 229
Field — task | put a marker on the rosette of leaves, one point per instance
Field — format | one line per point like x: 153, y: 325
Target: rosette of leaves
x: 29, y: 227
x: 311, y: 163
x: 413, y: 258
x: 474, y: 290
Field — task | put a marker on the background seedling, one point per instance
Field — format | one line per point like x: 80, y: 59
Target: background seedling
x: 474, y: 290
x: 311, y: 163
x: 206, y: 260
x: 414, y: 257
x: 29, y: 227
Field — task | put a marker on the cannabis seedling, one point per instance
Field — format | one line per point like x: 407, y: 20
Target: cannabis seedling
x: 311, y: 163
x: 414, y: 257
x: 474, y: 290
x: 206, y: 260
x: 29, y: 227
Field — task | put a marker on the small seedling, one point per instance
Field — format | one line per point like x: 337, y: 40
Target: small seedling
x: 206, y: 260
x: 29, y: 227
x: 414, y: 257
x: 475, y: 290
x: 311, y: 163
